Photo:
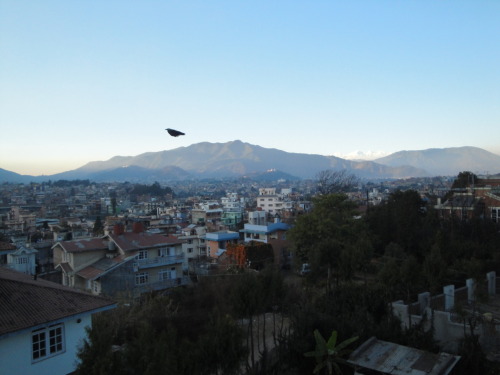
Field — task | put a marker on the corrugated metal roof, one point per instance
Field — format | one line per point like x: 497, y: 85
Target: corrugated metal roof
x: 394, y: 359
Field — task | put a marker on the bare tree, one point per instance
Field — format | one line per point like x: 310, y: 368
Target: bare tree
x: 330, y: 181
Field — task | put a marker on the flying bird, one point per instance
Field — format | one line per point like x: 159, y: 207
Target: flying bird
x: 174, y: 133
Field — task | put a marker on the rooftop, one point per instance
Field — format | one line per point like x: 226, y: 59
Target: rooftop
x: 28, y: 303
x: 394, y: 359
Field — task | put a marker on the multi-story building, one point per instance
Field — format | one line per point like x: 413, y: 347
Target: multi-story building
x: 122, y: 264
x: 194, y: 245
x: 217, y: 242
x: 480, y: 200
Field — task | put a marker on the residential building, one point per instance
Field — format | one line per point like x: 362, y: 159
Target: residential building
x: 42, y: 324
x: 479, y: 200
x: 193, y: 243
x: 217, y: 242
x: 122, y: 264
x: 23, y: 260
x: 6, y: 248
x: 208, y: 214
x: 272, y: 233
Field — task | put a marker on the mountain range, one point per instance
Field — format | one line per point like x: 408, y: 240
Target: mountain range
x: 238, y: 159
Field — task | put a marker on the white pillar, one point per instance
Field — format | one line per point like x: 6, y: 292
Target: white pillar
x: 492, y: 282
x: 424, y: 300
x: 449, y: 297
x: 471, y: 290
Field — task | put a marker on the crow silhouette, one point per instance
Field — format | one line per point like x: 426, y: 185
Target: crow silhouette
x: 174, y: 133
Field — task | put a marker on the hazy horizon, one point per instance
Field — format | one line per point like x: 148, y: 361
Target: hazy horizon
x: 355, y: 156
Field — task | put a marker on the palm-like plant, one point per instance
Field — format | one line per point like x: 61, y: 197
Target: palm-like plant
x: 329, y: 354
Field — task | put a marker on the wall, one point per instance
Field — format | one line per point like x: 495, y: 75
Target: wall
x: 16, y: 350
x: 441, y: 313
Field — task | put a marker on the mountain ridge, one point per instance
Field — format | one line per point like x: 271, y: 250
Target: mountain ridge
x: 237, y: 158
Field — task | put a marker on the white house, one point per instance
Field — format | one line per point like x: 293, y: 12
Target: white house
x: 23, y: 260
x: 42, y: 324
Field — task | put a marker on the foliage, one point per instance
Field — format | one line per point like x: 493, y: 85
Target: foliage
x: 98, y: 227
x: 68, y: 183
x: 463, y: 180
x: 154, y: 190
x: 328, y: 354
x: 259, y: 254
x: 334, y: 182
x: 155, y: 335
x: 328, y: 235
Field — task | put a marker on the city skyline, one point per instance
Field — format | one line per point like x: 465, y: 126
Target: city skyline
x: 86, y: 81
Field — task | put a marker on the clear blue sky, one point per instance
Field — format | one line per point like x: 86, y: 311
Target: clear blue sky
x: 86, y: 80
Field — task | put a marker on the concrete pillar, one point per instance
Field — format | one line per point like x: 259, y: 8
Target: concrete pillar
x: 424, y: 300
x: 449, y: 297
x: 492, y: 282
x: 471, y: 290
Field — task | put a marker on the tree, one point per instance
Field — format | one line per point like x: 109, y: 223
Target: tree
x: 328, y: 354
x: 113, y: 201
x: 330, y: 181
x: 321, y: 236
x: 98, y: 227
x: 464, y: 179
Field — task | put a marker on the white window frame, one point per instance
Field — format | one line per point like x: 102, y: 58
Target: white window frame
x: 22, y: 260
x: 141, y: 278
x: 143, y: 254
x: 47, y: 342
x: 495, y: 214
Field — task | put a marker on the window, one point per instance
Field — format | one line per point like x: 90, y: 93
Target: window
x: 190, y: 250
x: 167, y: 274
x: 495, y: 214
x: 22, y: 260
x: 143, y: 254
x: 47, y: 342
x: 141, y: 278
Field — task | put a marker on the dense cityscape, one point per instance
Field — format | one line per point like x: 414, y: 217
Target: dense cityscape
x: 257, y: 273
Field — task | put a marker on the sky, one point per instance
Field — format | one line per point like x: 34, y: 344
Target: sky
x: 86, y: 80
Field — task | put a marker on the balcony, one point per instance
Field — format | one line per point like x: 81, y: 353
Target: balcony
x: 161, y: 285
x: 159, y: 261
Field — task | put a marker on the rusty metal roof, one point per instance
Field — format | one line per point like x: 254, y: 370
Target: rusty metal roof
x: 394, y: 359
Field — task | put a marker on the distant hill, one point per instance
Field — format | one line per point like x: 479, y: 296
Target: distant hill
x: 238, y: 159
x: 8, y: 176
x: 446, y: 161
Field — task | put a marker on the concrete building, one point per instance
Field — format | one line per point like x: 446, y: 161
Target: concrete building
x: 217, y: 242
x: 42, y: 324
x: 23, y: 260
x: 121, y: 264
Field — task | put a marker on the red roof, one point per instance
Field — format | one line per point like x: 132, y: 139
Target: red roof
x: 86, y: 244
x: 130, y: 241
x: 28, y: 303
x: 7, y: 246
x: 100, y: 267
